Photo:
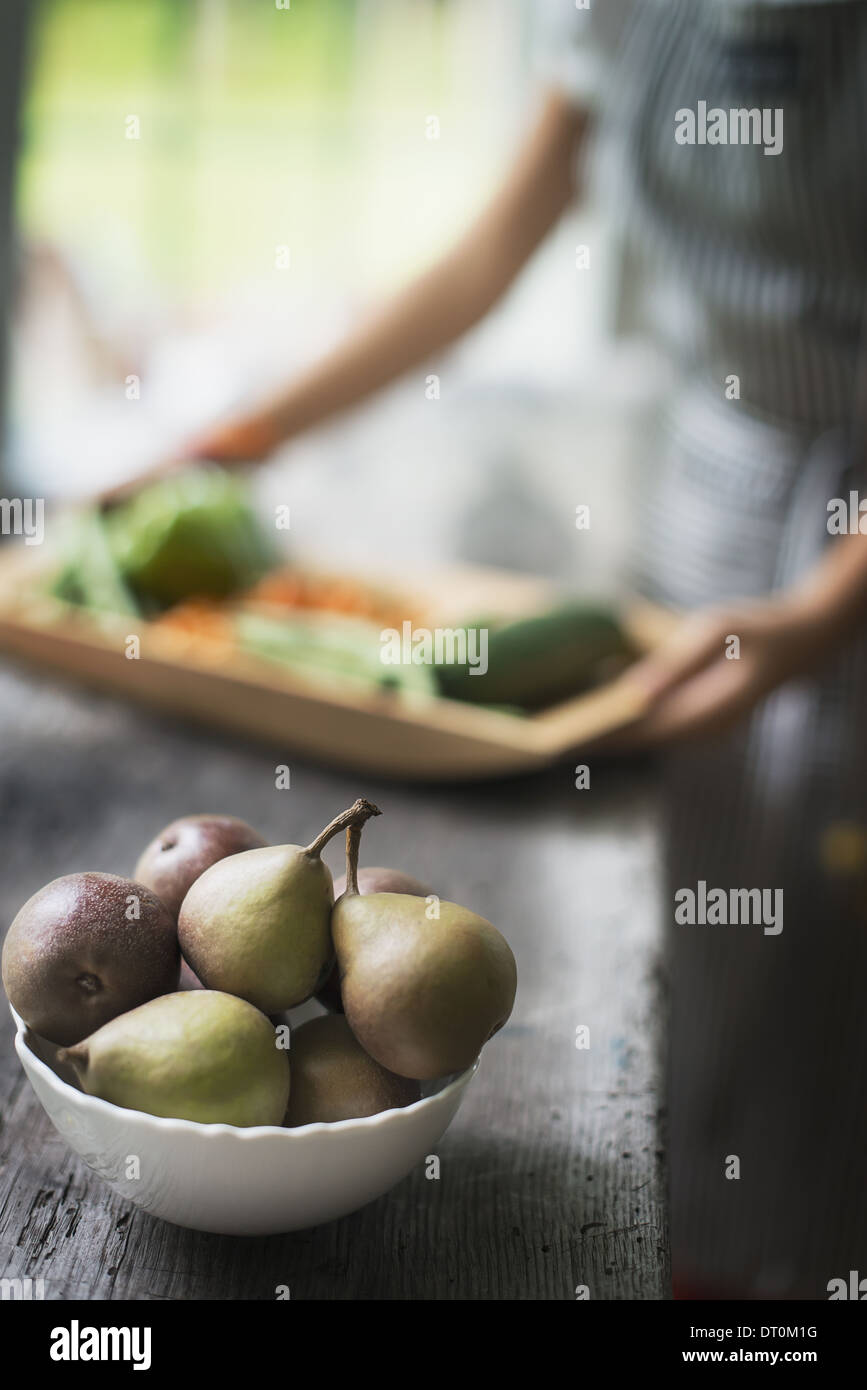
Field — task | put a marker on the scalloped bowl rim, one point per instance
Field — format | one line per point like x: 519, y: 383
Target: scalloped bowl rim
x: 97, y: 1106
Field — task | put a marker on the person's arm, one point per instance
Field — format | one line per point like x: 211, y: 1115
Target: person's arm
x: 435, y: 309
x: 696, y: 687
x: 834, y: 593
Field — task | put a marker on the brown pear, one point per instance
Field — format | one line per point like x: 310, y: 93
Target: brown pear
x: 181, y: 852
x: 424, y: 984
x: 333, y: 1078
x: 86, y: 948
x: 375, y: 880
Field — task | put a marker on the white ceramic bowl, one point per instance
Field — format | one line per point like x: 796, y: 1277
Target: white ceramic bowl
x: 256, y: 1181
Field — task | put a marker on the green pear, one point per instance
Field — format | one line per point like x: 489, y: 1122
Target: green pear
x: 257, y: 924
x: 424, y: 984
x: 199, y: 1055
x: 334, y: 1079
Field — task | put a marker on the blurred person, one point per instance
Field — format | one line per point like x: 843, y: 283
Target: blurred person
x: 752, y: 272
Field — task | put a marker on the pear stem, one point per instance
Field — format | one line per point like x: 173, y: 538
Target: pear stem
x: 77, y: 1056
x: 353, y: 844
x: 359, y: 812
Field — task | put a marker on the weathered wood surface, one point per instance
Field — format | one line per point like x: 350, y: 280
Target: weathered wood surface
x: 553, y: 1173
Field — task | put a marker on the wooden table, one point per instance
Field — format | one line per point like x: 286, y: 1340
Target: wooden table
x: 553, y: 1173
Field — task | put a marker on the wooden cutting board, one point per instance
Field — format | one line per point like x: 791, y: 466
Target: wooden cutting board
x: 396, y: 735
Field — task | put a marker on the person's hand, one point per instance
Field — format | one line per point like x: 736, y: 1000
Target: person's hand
x: 246, y: 439
x: 233, y: 444
x: 719, y: 663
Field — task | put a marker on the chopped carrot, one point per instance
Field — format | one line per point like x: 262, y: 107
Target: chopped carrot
x: 199, y: 617
x: 335, y: 594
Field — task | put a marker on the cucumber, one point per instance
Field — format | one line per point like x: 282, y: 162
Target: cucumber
x: 536, y: 661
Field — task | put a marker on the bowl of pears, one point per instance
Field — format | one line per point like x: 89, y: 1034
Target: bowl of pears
x: 153, y: 1022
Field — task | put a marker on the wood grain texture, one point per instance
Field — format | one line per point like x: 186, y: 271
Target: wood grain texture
x: 553, y: 1173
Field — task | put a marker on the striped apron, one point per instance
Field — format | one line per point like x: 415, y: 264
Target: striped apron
x: 756, y: 267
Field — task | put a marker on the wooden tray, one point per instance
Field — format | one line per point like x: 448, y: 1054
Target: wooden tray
x: 418, y: 737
